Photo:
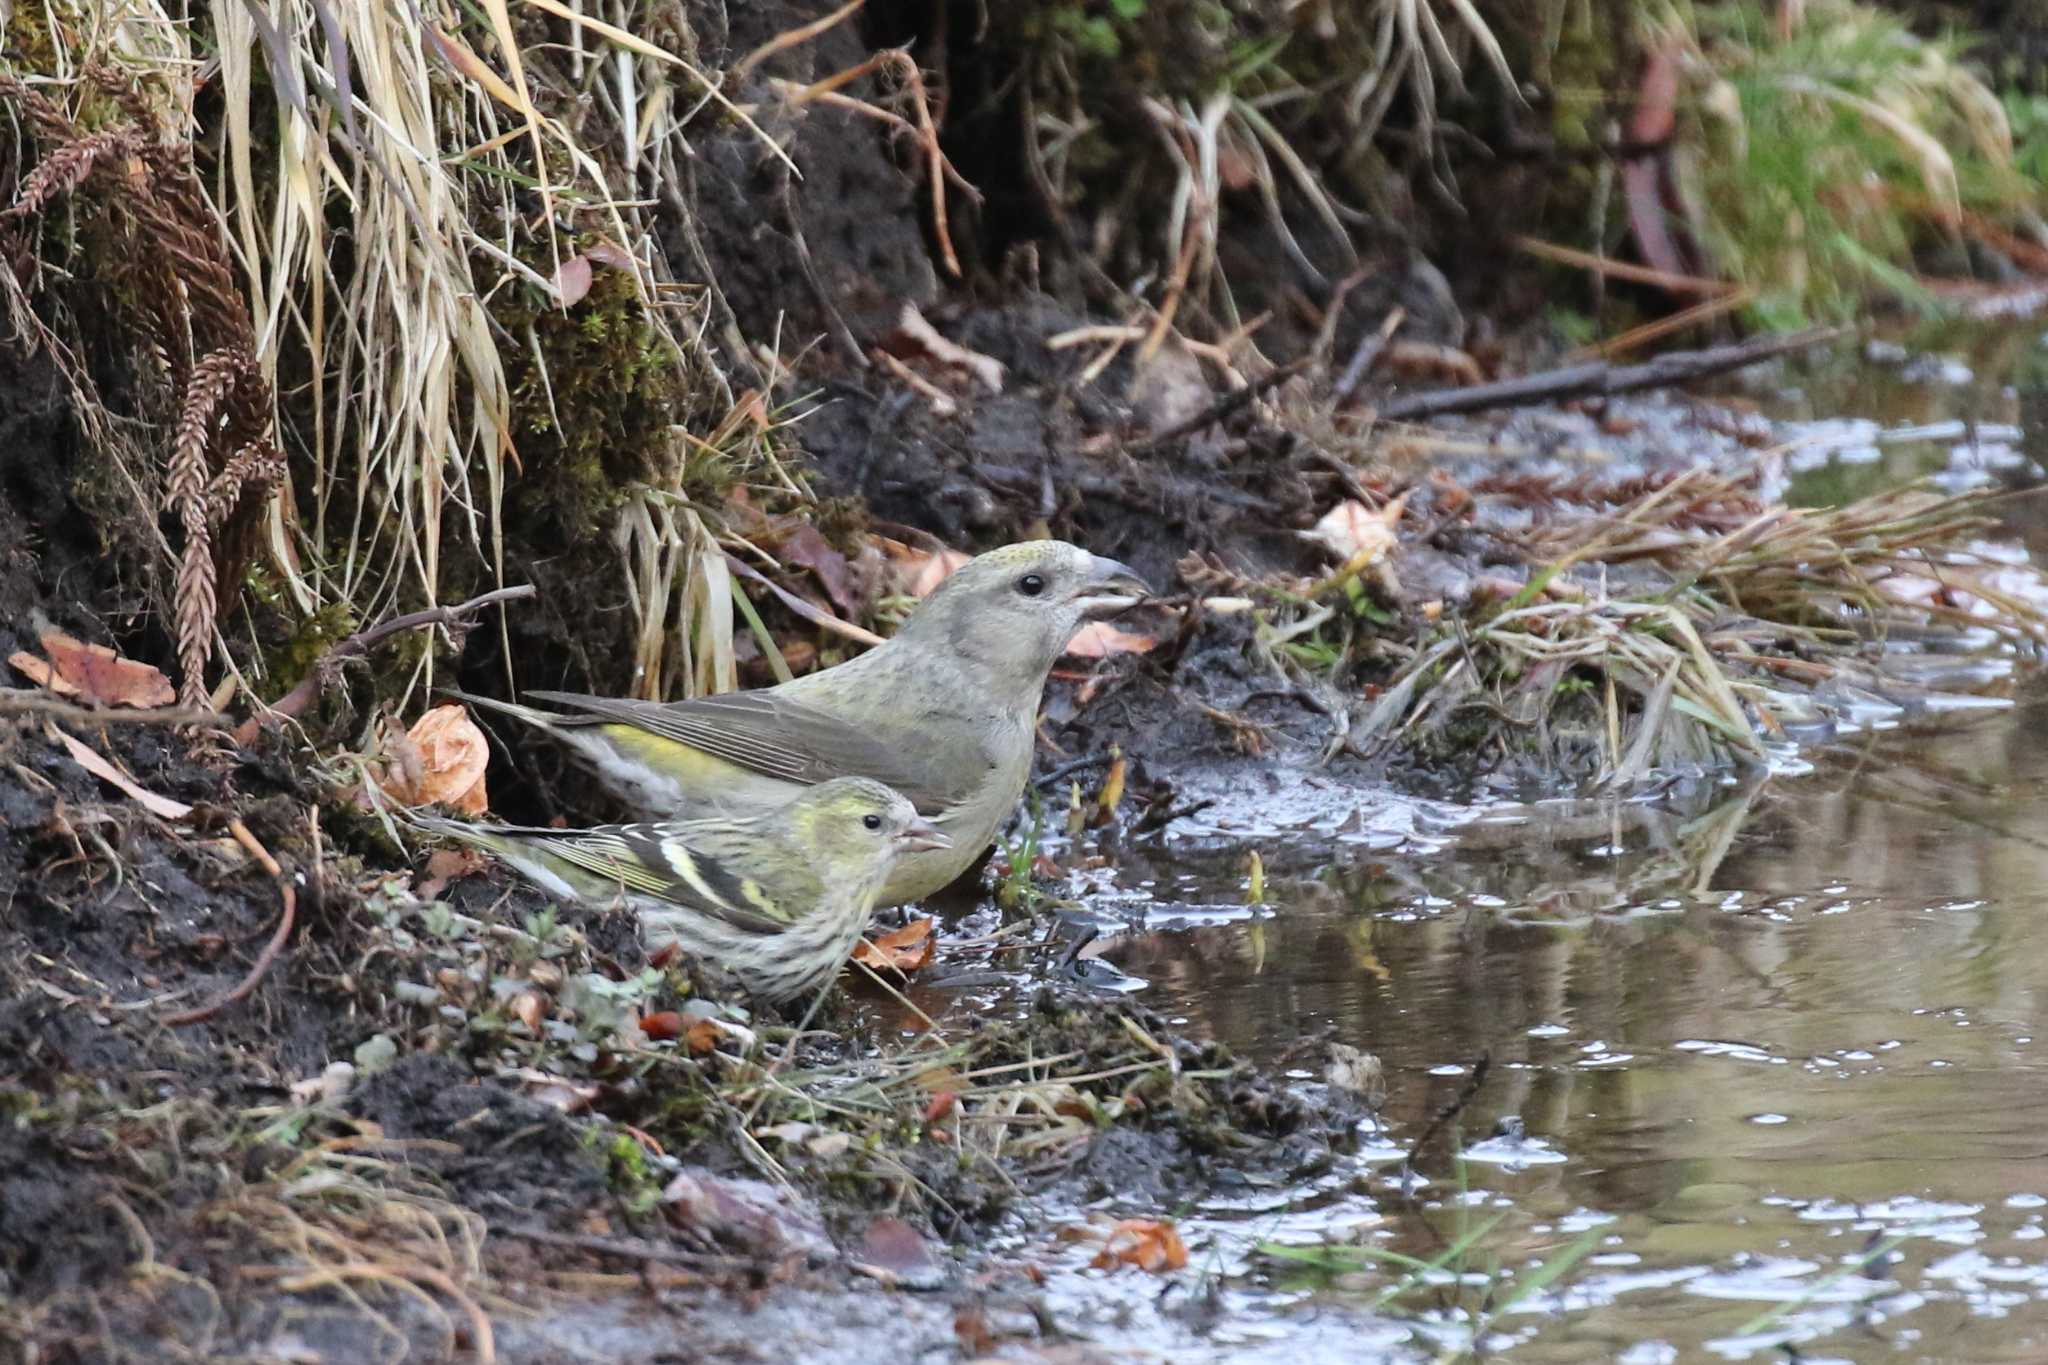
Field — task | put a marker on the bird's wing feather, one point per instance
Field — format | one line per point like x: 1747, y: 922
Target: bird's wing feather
x: 787, y: 739
x: 639, y: 859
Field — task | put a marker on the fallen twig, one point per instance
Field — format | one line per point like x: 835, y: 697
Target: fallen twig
x: 1223, y: 407
x: 287, y: 915
x: 295, y: 702
x: 1370, y: 347
x: 1466, y: 1094
x: 1599, y: 377
x: 29, y: 701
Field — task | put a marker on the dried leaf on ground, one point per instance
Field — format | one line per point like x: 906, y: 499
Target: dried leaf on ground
x: 95, y: 674
x: 698, y: 1033
x: 445, y: 865
x: 903, y: 950
x: 39, y: 672
x: 913, y: 331
x: 894, y: 1252
x: 807, y: 549
x: 452, y: 757
x: 1151, y: 1244
x: 918, y: 571
x: 1352, y: 529
x: 1100, y: 639
x: 161, y: 806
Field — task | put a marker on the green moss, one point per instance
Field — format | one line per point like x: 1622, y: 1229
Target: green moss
x: 597, y: 391
x: 633, y: 1180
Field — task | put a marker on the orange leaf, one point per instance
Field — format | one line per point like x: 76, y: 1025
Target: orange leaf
x: 919, y: 571
x: 445, y: 865
x: 104, y: 677
x: 1151, y: 1244
x: 1100, y: 639
x: 661, y: 1025
x: 453, y: 756
x: 903, y: 950
x: 39, y: 672
x: 702, y: 1036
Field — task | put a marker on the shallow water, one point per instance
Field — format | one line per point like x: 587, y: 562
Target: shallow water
x: 1766, y: 1063
x: 1741, y: 1041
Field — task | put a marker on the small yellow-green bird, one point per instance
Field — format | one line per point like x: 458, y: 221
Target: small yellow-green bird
x: 946, y: 712
x: 778, y: 899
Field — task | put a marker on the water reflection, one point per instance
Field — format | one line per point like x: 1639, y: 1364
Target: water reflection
x: 1758, y: 1032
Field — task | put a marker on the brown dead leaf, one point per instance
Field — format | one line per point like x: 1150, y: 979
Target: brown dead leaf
x: 39, y: 672
x: 1151, y: 1244
x: 920, y: 571
x: 529, y: 1009
x: 893, y: 1251
x: 702, y: 1036
x: 452, y: 756
x: 607, y: 252
x: 807, y: 549
x: 1100, y: 639
x: 1426, y: 360
x: 103, y: 677
x: 903, y: 950
x: 445, y: 865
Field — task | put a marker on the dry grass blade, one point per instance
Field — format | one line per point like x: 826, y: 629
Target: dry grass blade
x: 1816, y: 585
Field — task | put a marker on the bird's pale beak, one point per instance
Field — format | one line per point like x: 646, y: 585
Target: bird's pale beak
x: 922, y: 836
x: 1111, y: 587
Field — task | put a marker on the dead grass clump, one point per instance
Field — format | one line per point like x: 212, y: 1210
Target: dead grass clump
x: 1670, y: 635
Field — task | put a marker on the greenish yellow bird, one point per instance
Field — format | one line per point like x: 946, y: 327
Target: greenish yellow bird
x: 946, y: 712
x: 778, y: 898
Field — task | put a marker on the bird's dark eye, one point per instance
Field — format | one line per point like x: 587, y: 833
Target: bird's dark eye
x: 1031, y: 584
x: 871, y: 821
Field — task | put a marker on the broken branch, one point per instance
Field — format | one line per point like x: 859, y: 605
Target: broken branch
x: 295, y: 702
x: 1599, y: 377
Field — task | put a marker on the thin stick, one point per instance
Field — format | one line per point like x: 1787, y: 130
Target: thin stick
x: 1577, y: 381
x: 1223, y: 407
x: 295, y: 702
x: 1624, y: 270
x: 289, y: 913
x: 781, y: 41
x: 1466, y: 1094
x: 27, y: 701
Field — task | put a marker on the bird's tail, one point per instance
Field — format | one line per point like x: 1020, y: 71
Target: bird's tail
x: 524, y: 848
x: 545, y: 720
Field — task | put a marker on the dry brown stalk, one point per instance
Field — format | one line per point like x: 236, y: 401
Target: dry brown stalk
x: 224, y: 461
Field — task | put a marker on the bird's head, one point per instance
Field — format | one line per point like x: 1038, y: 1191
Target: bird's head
x: 856, y: 826
x: 1013, y: 610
